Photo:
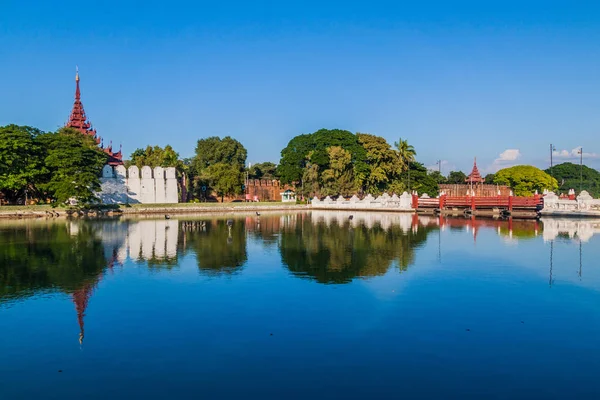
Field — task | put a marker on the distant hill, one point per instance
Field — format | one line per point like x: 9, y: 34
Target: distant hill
x: 567, y: 175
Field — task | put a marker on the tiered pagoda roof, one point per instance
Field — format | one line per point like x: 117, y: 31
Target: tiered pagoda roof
x: 78, y: 120
x: 475, y: 176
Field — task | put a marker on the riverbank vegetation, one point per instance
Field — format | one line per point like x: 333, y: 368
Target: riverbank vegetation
x: 48, y: 166
x: 53, y: 167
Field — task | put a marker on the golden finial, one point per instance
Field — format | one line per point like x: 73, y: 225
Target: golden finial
x: 76, y: 73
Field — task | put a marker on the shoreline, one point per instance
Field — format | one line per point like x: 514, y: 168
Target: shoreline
x: 45, y: 211
x: 166, y: 209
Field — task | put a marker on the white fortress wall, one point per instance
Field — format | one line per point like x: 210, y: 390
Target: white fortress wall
x: 130, y: 186
x: 147, y: 193
x: 172, y: 192
x: 134, y: 184
x: 159, y: 185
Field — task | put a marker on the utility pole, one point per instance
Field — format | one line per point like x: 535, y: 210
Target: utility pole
x: 552, y: 150
x: 580, y: 169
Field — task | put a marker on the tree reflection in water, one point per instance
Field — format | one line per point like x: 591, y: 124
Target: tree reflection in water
x: 220, y: 249
x: 49, y: 257
x: 337, y: 250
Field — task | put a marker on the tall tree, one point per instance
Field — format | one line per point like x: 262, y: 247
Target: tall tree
x: 75, y: 163
x: 324, y: 139
x: 21, y: 161
x: 339, y: 177
x: 420, y: 181
x: 525, y: 179
x: 382, y: 163
x: 224, y: 179
x: 156, y: 157
x: 218, y: 165
x: 490, y: 179
x: 457, y: 177
x: 406, y: 153
x: 571, y: 176
x: 265, y: 170
x: 438, y: 177
x: 214, y: 150
x: 294, y: 158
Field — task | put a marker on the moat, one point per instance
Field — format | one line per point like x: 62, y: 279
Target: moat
x: 300, y: 305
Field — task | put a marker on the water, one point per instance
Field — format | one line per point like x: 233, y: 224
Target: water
x: 298, y: 306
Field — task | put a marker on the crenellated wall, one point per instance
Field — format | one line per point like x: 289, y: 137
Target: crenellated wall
x: 582, y: 205
x: 385, y: 201
x: 131, y: 186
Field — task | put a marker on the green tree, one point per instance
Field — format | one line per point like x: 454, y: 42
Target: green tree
x: 382, y: 163
x: 490, y: 179
x: 156, y: 157
x: 218, y: 165
x: 457, y: 177
x: 569, y: 176
x: 324, y: 139
x: 265, y: 170
x: 214, y: 150
x: 438, y: 177
x: 339, y: 177
x: 74, y: 163
x: 420, y: 180
x: 21, y: 161
x: 294, y: 159
x: 406, y: 153
x: 224, y: 179
x: 524, y: 180
x: 310, y: 179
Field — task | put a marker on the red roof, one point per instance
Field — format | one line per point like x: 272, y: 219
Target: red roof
x: 475, y: 176
x: 78, y: 120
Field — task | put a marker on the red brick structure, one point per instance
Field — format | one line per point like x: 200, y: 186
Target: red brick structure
x: 264, y: 190
x: 454, y: 190
x: 78, y: 120
x: 474, y: 184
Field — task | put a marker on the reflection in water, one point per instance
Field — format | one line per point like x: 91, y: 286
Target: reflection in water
x: 219, y: 248
x: 331, y: 248
x: 465, y: 298
x: 324, y: 246
x: 570, y: 228
x: 49, y: 257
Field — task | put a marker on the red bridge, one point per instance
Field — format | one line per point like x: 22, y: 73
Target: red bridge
x: 506, y: 204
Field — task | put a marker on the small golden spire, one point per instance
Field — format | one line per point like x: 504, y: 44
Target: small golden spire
x: 76, y: 73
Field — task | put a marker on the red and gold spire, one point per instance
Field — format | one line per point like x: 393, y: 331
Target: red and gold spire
x: 475, y: 176
x: 78, y: 120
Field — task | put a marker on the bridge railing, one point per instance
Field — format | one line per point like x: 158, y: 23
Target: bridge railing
x: 474, y: 202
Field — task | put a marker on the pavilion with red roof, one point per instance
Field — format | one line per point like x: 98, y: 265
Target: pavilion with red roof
x: 475, y: 176
x: 79, y: 121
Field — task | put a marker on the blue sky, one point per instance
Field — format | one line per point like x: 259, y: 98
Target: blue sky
x: 499, y: 80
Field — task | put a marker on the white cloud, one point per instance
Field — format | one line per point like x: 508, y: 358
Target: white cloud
x: 508, y: 155
x: 505, y: 159
x: 573, y: 154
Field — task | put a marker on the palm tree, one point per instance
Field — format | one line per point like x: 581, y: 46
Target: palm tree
x: 406, y: 155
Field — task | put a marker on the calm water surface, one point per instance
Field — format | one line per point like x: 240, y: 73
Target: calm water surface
x: 300, y: 306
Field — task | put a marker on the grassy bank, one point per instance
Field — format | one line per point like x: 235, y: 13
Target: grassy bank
x: 43, y: 210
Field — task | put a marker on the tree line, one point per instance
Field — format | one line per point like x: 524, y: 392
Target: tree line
x: 48, y: 166
x: 58, y: 166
